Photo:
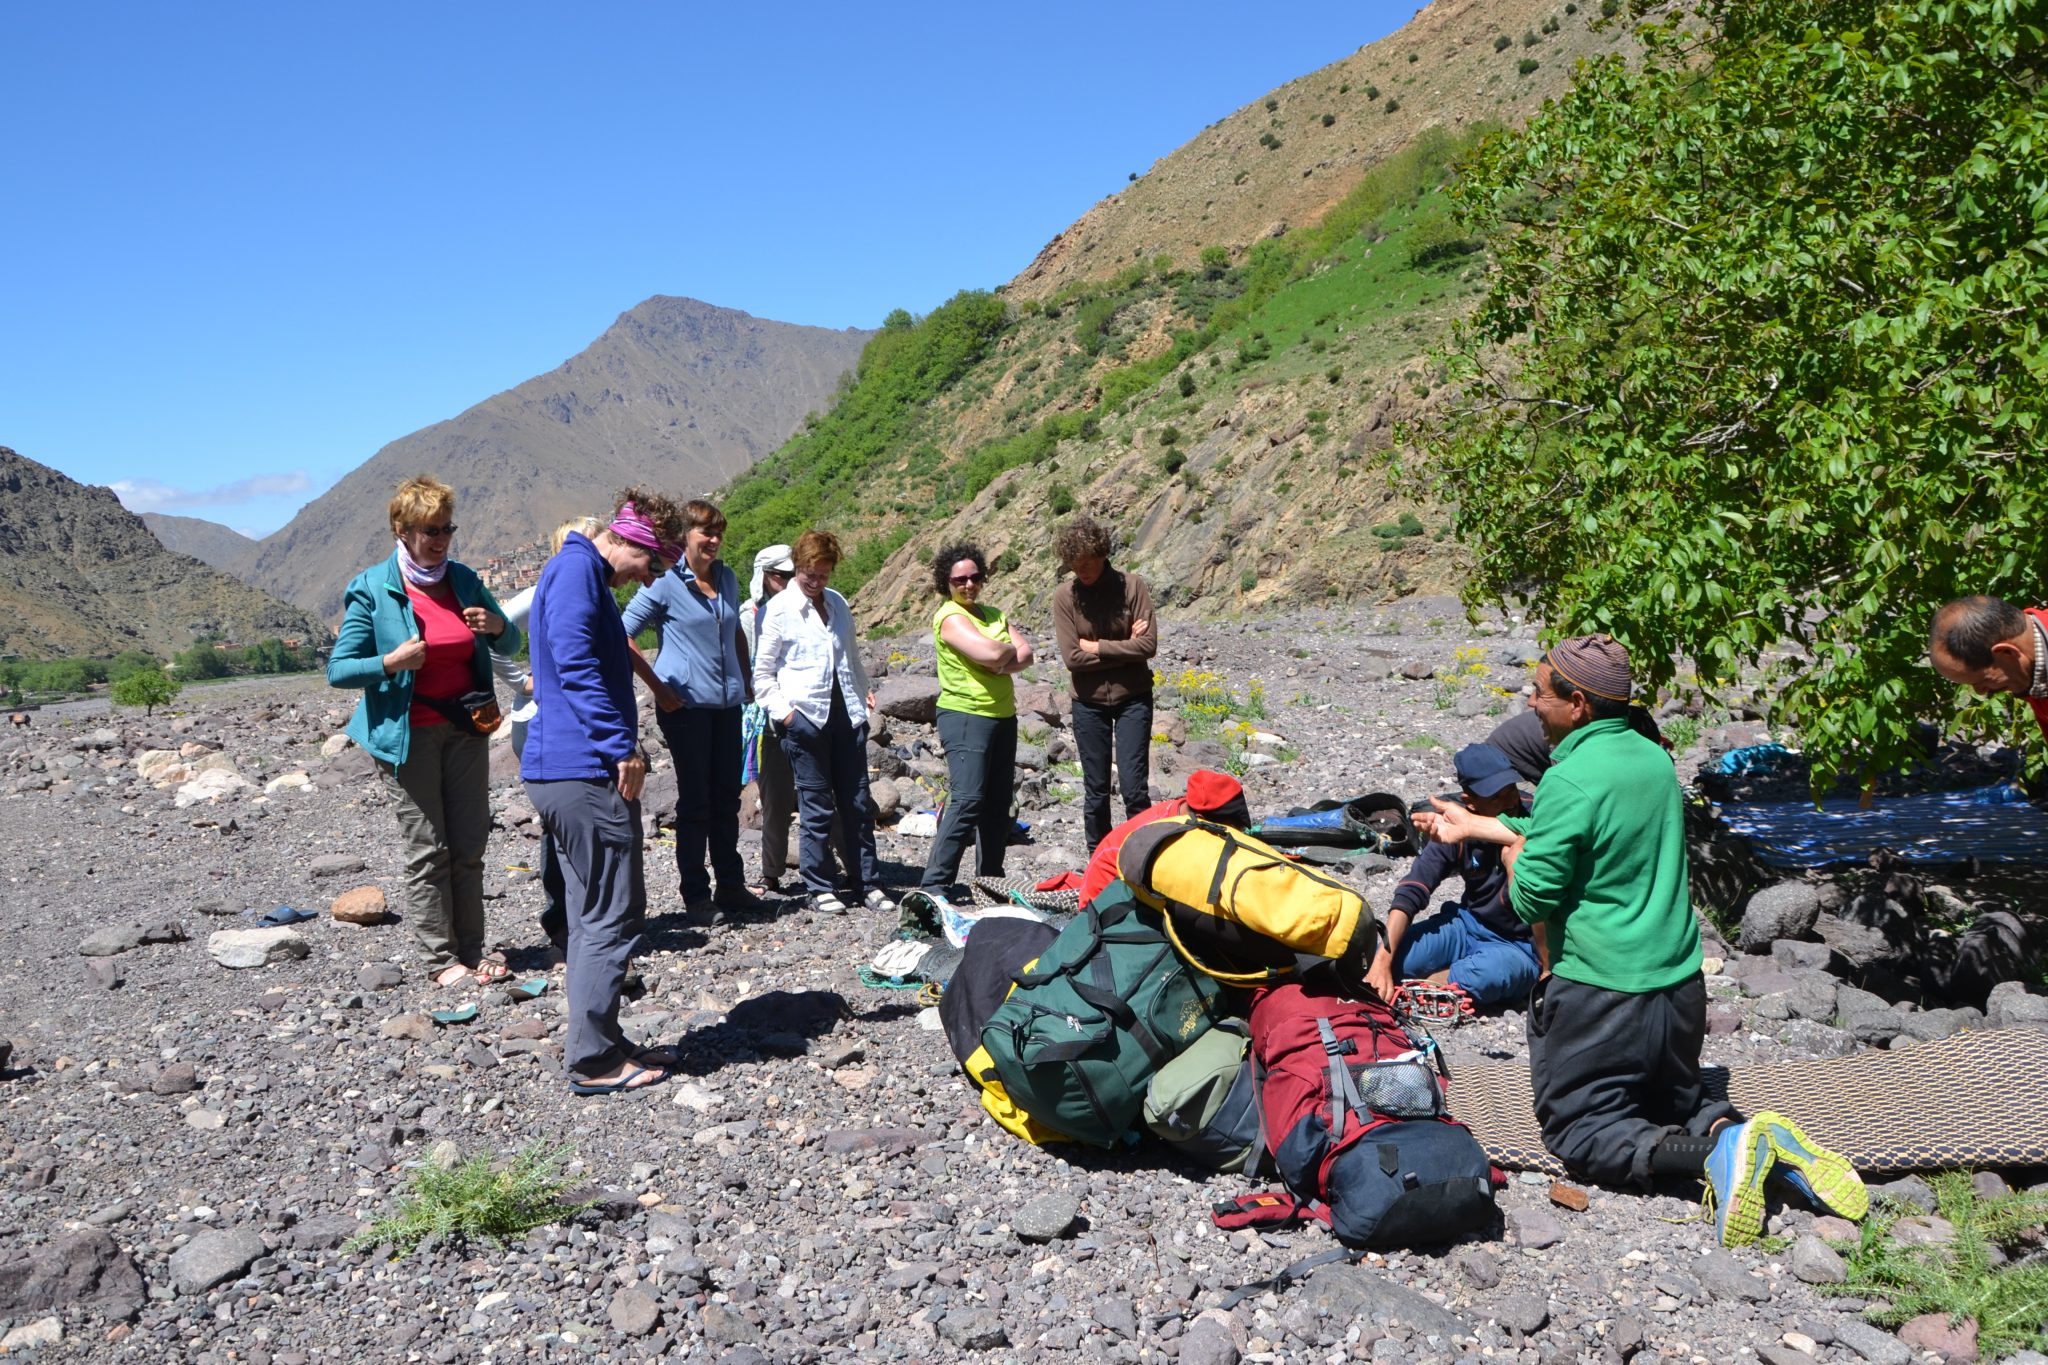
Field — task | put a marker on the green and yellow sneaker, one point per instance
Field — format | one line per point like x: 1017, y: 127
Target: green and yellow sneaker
x: 1824, y: 1178
x: 1735, y: 1172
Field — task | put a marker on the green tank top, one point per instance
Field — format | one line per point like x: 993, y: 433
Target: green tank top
x: 966, y: 686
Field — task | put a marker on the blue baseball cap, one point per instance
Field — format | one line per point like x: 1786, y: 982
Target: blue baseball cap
x: 1484, y: 770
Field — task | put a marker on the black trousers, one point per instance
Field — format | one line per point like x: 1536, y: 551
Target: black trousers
x: 704, y: 742
x: 981, y: 775
x: 1614, y: 1072
x: 1127, y: 728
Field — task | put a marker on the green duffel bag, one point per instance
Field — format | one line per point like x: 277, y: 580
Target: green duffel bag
x: 1204, y: 1103
x: 1091, y: 1021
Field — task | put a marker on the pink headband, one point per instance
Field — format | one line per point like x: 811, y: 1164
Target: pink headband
x: 633, y: 525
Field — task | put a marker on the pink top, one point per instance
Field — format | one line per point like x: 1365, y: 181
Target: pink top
x: 450, y: 669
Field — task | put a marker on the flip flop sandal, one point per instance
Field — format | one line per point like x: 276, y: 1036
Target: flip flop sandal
x: 462, y: 1014
x: 658, y: 1058
x: 625, y: 1082
x: 531, y: 989
x: 828, y: 904
x: 451, y: 975
x: 490, y: 969
x: 284, y: 914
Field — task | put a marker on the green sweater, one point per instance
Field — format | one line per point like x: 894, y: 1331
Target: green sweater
x: 1604, y: 863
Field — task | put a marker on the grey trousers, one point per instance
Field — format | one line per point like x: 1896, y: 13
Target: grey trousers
x: 596, y: 834
x: 443, y: 793
x: 1616, y: 1072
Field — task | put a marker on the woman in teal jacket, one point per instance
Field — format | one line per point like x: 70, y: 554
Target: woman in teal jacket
x: 410, y: 630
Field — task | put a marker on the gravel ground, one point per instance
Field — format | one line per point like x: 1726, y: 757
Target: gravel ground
x: 817, y: 1184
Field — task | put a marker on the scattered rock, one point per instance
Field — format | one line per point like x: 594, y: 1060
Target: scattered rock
x: 973, y: 1329
x: 364, y: 905
x: 379, y: 976
x: 214, y: 1257
x: 1923, y: 1230
x: 1568, y: 1196
x: 1726, y: 1278
x: 910, y: 698
x: 335, y: 865
x: 1478, y: 1266
x: 322, y: 1232
x: 1534, y: 1229
x: 212, y: 785
x: 1787, y: 910
x: 1046, y: 1217
x: 28, y: 1336
x: 2014, y: 1005
x: 1815, y: 1262
x: 107, y: 942
x: 634, y: 1313
x: 414, y: 1025
x: 1909, y: 1190
x: 1525, y: 1313
x: 239, y: 949
x: 1932, y: 1332
x: 1211, y: 1339
x: 177, y: 1078
x: 1874, y: 1344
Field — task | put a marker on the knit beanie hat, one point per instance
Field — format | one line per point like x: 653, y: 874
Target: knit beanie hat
x: 1596, y: 665
x: 1219, y: 797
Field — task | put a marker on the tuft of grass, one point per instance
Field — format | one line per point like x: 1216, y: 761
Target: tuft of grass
x: 1993, y: 1271
x: 478, y: 1200
x: 1683, y: 732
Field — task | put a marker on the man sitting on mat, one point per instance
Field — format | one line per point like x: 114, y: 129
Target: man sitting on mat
x: 1615, y: 1026
x: 1487, y: 950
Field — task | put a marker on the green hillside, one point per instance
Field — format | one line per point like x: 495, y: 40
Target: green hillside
x: 1316, y: 324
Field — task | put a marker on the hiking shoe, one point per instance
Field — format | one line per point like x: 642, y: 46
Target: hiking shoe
x: 1823, y: 1178
x: 699, y: 912
x: 1735, y: 1172
x: 878, y: 900
x: 738, y: 898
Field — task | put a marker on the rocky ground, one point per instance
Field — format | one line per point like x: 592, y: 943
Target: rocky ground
x: 186, y: 1144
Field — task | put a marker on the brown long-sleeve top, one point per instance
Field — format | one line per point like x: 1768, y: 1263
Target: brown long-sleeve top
x: 1104, y: 613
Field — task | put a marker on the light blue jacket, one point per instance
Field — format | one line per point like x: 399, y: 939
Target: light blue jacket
x: 377, y: 617
x: 700, y: 649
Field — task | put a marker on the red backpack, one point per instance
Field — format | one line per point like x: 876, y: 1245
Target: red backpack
x: 1354, y: 1115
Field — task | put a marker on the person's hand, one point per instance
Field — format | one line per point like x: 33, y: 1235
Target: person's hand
x: 1092, y: 648
x: 484, y: 621
x: 1451, y: 823
x: 632, y: 777
x: 871, y: 703
x: 527, y: 686
x: 408, y: 656
x: 665, y: 697
x: 1425, y: 821
x: 1380, y: 976
x: 1138, y: 628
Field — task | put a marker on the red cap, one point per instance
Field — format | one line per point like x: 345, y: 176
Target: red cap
x: 1210, y: 791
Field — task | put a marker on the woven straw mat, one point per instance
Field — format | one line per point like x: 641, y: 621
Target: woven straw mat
x: 1970, y: 1101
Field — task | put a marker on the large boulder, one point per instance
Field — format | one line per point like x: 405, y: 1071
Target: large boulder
x: 212, y: 785
x: 86, y: 1269
x: 908, y: 698
x: 1787, y: 910
x: 2014, y: 1005
x: 214, y: 1257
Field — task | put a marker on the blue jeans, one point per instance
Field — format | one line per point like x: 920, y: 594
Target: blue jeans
x: 1491, y: 969
x: 830, y: 766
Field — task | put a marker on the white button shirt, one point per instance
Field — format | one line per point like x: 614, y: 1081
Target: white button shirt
x: 801, y: 651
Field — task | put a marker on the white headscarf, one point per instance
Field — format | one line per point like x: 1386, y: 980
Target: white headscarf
x: 774, y: 557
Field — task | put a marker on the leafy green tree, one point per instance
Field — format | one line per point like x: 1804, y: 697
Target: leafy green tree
x: 148, y: 688
x: 131, y: 661
x: 202, y: 661
x: 1760, y: 377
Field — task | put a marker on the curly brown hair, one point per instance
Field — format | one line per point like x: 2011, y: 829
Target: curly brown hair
x: 816, y: 550
x: 942, y: 565
x: 670, y: 523
x: 1079, y: 539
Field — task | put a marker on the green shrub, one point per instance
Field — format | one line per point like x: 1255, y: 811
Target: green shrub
x: 1271, y: 105
x: 1269, y: 142
x: 1329, y: 119
x: 1059, y: 499
x: 1526, y: 65
x: 1248, y: 580
x: 1372, y: 92
x: 1169, y: 436
x: 476, y: 1201
x: 1187, y: 384
x: 1529, y: 38
x: 1007, y: 562
x: 1503, y: 43
x: 1172, y: 460
x: 1393, y: 106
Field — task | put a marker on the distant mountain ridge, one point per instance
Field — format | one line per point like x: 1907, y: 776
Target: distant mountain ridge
x: 676, y: 395
x: 209, y: 542
x: 81, y: 576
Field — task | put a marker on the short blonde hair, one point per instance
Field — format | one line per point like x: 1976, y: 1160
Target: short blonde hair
x: 420, y: 501
x: 587, y: 527
x: 816, y: 550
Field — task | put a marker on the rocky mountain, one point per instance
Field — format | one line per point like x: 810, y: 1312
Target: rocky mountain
x: 677, y: 395
x: 1284, y: 160
x: 1216, y: 360
x: 209, y: 542
x: 81, y: 575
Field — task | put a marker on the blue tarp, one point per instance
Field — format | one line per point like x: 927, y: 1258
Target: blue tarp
x: 1993, y: 824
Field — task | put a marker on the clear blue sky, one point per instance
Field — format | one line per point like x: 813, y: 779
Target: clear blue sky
x: 246, y: 245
